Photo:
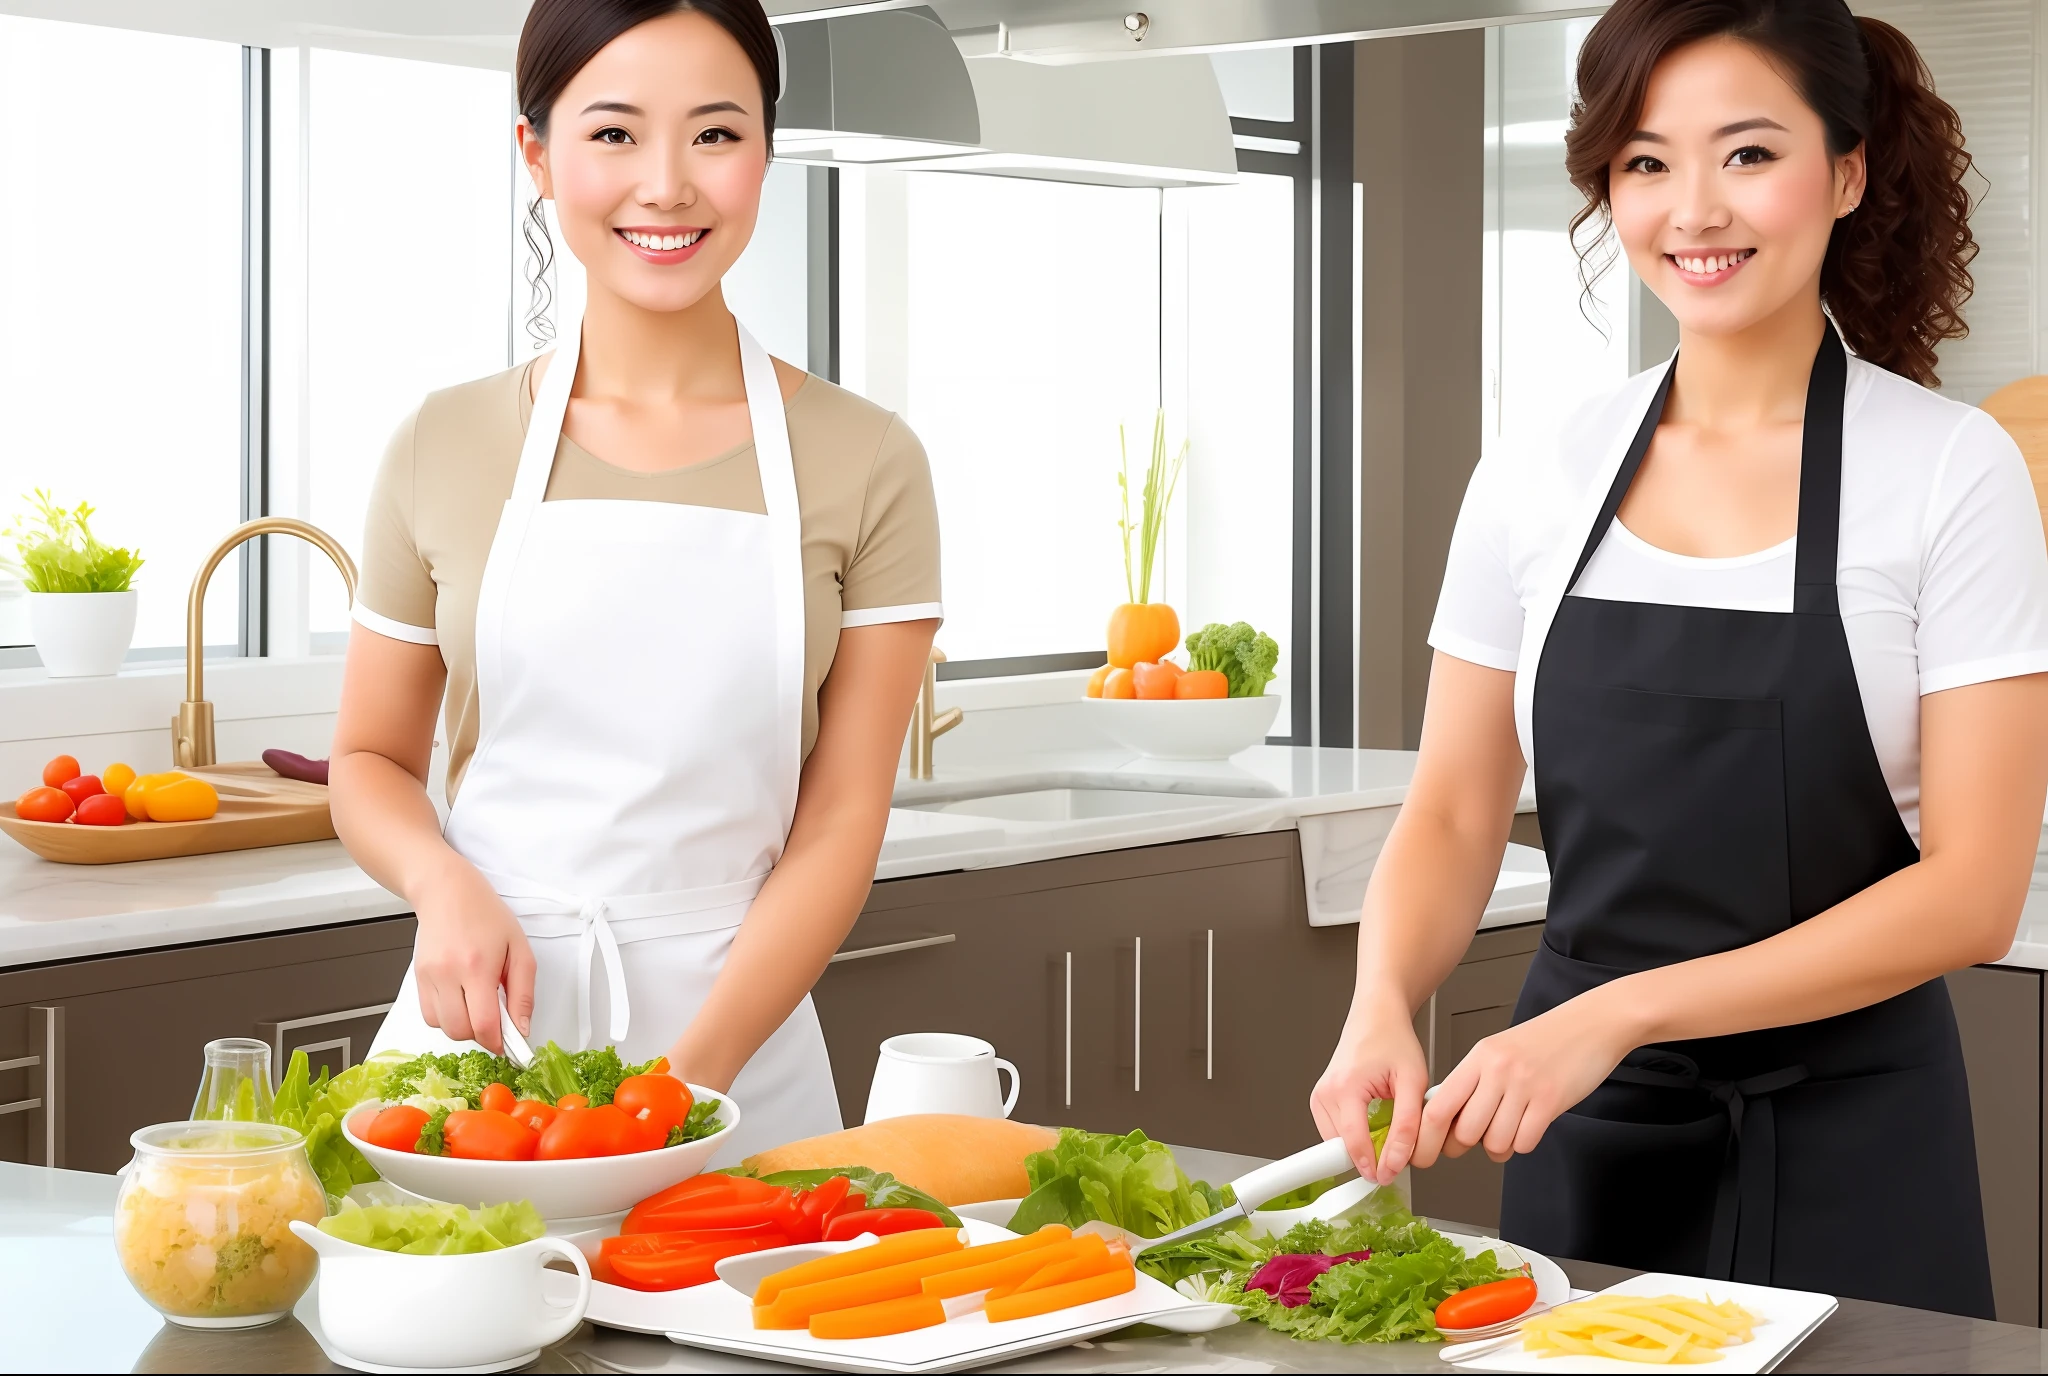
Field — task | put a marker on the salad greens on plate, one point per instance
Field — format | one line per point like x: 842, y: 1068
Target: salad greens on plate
x: 1130, y: 1181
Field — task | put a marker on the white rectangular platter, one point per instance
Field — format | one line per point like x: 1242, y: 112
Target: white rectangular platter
x: 1785, y: 1318
x: 720, y: 1319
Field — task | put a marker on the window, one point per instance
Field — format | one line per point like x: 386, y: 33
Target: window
x: 390, y: 185
x: 120, y: 366
x: 1015, y: 324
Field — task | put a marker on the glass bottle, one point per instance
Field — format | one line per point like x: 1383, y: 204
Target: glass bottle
x: 236, y: 1085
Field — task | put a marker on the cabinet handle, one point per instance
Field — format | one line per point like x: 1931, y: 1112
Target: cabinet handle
x: 47, y: 1042
x: 1137, y: 1013
x: 863, y: 952
x: 1209, y: 1012
x: 274, y: 1033
x: 1070, y: 1029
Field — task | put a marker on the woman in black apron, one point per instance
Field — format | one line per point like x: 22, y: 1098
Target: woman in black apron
x: 1696, y: 1082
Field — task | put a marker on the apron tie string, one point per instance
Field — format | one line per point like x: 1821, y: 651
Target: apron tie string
x: 1746, y: 1196
x: 597, y: 939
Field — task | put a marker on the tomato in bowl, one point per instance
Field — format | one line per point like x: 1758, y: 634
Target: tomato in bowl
x: 561, y: 1188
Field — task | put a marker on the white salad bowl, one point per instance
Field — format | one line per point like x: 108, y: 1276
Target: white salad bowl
x: 479, y: 1311
x: 584, y: 1187
x: 1194, y: 729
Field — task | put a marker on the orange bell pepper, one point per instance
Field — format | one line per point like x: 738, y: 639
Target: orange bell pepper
x: 1202, y: 683
x: 1141, y: 632
x: 1119, y: 684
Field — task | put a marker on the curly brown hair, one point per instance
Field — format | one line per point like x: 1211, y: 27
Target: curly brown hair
x: 1896, y: 273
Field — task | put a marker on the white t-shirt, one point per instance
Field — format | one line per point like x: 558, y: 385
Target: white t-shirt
x: 1942, y: 569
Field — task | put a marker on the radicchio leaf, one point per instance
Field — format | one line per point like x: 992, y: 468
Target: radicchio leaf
x: 1287, y: 1277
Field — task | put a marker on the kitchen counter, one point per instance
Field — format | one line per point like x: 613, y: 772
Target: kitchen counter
x: 57, y: 1263
x: 976, y: 816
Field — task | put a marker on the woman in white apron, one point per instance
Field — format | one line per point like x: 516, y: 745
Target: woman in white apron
x: 639, y: 853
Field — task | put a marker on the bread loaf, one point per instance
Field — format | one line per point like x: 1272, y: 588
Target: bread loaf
x: 952, y: 1157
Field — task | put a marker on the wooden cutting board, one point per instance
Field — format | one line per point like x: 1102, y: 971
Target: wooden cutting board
x: 2022, y: 408
x: 257, y: 808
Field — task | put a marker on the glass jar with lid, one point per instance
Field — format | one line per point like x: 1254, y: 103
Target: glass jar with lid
x: 203, y: 1221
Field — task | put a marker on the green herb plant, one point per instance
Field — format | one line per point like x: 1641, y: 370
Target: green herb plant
x: 1161, y: 479
x: 56, y: 550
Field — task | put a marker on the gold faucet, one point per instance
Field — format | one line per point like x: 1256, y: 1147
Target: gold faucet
x: 192, y: 728
x: 925, y: 725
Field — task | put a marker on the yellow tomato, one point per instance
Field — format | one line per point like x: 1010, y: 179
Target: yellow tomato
x: 115, y: 778
x: 179, y: 799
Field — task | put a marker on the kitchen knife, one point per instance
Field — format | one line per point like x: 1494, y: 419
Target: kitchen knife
x: 516, y: 1049
x: 1268, y: 1182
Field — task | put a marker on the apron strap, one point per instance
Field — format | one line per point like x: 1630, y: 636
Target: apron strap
x: 1623, y: 476
x: 1820, y: 480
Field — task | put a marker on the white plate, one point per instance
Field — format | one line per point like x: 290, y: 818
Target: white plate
x: 578, y: 1189
x: 718, y: 1318
x: 1785, y: 1318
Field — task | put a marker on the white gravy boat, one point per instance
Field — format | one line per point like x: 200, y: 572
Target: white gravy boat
x: 484, y: 1311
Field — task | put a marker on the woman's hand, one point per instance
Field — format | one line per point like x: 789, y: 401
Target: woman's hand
x: 468, y: 945
x: 1378, y: 1057
x: 1512, y: 1085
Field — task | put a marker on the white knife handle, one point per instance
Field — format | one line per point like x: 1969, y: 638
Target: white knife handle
x: 1319, y: 1162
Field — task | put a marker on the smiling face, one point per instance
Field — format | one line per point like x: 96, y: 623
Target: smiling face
x: 1726, y: 194
x: 654, y: 158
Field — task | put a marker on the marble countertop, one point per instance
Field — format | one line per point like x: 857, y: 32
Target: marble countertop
x: 1005, y: 812
x: 57, y: 1262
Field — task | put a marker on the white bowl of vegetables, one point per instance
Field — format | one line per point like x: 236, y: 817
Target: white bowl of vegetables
x: 1212, y: 709
x: 470, y: 1128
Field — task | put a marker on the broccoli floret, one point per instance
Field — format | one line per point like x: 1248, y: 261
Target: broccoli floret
x: 451, y: 1075
x: 1244, y: 656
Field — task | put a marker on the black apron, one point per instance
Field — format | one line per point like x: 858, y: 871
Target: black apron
x: 1705, y: 779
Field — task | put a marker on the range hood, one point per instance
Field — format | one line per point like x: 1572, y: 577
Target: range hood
x: 1157, y: 123
x: 875, y: 87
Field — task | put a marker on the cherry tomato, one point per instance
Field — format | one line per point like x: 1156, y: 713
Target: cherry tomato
x: 1487, y: 1304
x: 115, y: 778
x: 535, y: 1114
x: 43, y: 805
x: 181, y: 800
x: 1154, y: 682
x: 101, y: 810
x: 882, y: 1222
x: 499, y: 1097
x: 59, y: 770
x: 396, y: 1128
x: 485, y: 1134
x: 568, y: 1101
x: 662, y: 1100
x: 1118, y: 683
x: 586, y: 1132
x: 83, y: 787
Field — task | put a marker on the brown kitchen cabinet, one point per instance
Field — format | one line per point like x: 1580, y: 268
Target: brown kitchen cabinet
x: 1177, y: 988
x: 90, y: 1050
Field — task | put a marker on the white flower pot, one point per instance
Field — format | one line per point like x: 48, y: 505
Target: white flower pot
x: 81, y: 634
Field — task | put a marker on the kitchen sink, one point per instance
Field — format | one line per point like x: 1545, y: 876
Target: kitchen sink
x: 1069, y: 804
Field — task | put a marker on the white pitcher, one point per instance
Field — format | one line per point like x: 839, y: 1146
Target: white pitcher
x: 481, y: 1311
x: 939, y: 1072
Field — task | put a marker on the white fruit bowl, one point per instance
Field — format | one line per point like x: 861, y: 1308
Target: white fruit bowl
x: 1194, y: 729
x: 581, y: 1188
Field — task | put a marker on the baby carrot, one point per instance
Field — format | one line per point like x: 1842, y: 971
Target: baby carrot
x: 1026, y: 1305
x: 912, y: 1246
x: 966, y: 1280
x: 879, y: 1320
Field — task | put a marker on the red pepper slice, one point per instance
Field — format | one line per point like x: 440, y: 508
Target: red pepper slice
x: 854, y: 1202
x: 819, y: 1204
x: 641, y: 1244
x: 880, y: 1222
x: 674, y: 1270
x: 787, y: 1213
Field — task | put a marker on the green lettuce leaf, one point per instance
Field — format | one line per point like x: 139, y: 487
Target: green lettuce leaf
x: 1129, y: 1181
x: 701, y: 1121
x: 435, y: 1229
x: 316, y: 1107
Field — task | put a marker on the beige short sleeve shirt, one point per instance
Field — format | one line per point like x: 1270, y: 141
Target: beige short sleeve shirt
x: 864, y: 492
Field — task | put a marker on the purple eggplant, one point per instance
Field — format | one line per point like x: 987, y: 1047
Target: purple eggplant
x: 290, y: 766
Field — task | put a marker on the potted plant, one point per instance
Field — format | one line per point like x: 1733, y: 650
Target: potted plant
x: 1142, y: 631
x: 81, y: 610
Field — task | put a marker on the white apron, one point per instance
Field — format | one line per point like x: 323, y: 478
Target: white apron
x: 640, y: 690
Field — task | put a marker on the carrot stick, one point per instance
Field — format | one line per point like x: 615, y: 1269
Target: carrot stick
x: 1071, y: 1269
x: 966, y: 1280
x: 879, y: 1320
x: 911, y: 1246
x: 794, y: 1305
x: 1024, y: 1306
